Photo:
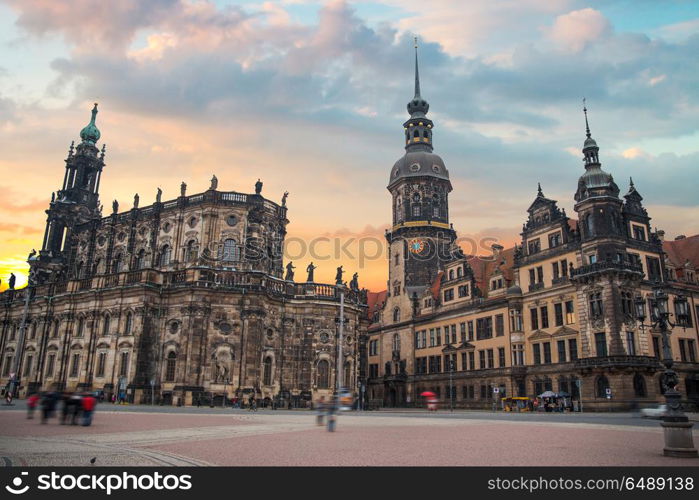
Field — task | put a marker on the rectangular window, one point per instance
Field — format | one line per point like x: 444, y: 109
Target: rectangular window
x: 463, y: 290
x: 448, y: 295
x: 464, y: 361
x: 596, y: 309
x: 471, y: 360
x: 656, y: 347
x: 601, y: 343
x: 373, y: 370
x: 462, y: 327
x: 499, y: 325
x: 453, y: 334
x: 554, y: 240
x: 491, y: 359
x: 424, y: 338
x: 501, y: 357
x: 534, y: 317
x: 75, y: 366
x: 653, y: 267
x: 561, y: 351
x: 683, y: 352
x: 432, y: 337
x: 537, y: 354
x: 532, y: 277
x: 540, y: 274
x: 592, y: 259
x: 558, y: 314
x: 481, y: 359
x: 544, y: 317
x: 124, y: 365
x: 484, y: 328
x: 50, y: 362
x: 570, y: 310
x: 547, y: 352
x: 534, y: 246
x: 470, y: 330
x: 564, y: 267
x: 573, y: 349
x: 555, y: 270
x: 100, y: 364
x: 630, y: 344
x: 28, y: 365
x: 639, y: 233
x: 438, y: 330
x: 690, y: 350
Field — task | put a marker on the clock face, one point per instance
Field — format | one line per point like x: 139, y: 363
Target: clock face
x: 416, y: 245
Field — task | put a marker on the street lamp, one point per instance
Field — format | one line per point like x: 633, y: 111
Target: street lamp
x: 676, y: 425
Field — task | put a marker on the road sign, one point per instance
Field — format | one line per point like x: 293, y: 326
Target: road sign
x: 496, y: 390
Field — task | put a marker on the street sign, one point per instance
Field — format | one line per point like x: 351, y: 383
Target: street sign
x: 496, y: 390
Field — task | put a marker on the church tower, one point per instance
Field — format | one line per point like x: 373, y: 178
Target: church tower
x: 77, y: 202
x: 420, y: 236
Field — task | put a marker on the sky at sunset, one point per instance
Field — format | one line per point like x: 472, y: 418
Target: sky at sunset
x: 310, y: 97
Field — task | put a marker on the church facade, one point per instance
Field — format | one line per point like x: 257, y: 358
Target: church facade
x: 554, y: 313
x: 174, y: 302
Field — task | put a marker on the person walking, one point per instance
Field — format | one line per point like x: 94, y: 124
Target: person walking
x: 32, y: 401
x: 88, y: 407
x: 48, y: 406
x: 321, y: 411
x: 75, y: 408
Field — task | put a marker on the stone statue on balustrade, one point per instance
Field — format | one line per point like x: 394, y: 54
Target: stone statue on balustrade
x: 290, y: 272
x: 310, y: 270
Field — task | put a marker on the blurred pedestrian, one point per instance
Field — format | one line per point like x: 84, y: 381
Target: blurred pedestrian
x: 88, y: 408
x: 65, y: 407
x: 320, y: 417
x: 48, y: 405
x: 32, y: 401
x: 75, y: 408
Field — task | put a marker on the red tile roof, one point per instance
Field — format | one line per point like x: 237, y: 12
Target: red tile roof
x: 374, y: 302
x: 681, y: 251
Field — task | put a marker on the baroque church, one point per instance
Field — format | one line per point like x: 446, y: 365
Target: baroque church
x: 179, y: 301
x: 553, y: 313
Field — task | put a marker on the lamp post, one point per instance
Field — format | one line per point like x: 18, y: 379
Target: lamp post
x: 451, y: 382
x: 676, y: 425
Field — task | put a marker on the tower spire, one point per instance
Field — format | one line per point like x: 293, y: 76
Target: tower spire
x: 587, y: 125
x: 417, y: 73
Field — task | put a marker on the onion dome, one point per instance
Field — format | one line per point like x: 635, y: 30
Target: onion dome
x: 90, y: 133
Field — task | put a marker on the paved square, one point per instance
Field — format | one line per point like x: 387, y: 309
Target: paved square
x: 122, y: 436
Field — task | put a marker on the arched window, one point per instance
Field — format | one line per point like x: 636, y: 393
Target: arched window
x: 323, y: 374
x: 116, y: 264
x: 396, y: 342
x: 589, y: 225
x: 451, y: 274
x: 396, y: 315
x: 416, y: 133
x: 129, y: 323
x: 231, y: 252
x: 35, y: 325
x: 165, y: 255
x: 601, y: 386
x: 56, y: 326
x: 639, y: 385
x: 170, y: 367
x: 191, y: 252
x: 81, y: 328
x: 267, y: 374
x: 140, y: 259
x: 459, y: 272
x: 105, y: 325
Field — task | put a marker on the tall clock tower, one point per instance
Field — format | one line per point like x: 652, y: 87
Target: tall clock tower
x: 421, y: 236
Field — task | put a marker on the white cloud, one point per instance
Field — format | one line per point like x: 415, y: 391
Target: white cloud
x: 575, y: 30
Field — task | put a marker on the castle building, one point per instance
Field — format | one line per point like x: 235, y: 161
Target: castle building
x: 176, y: 301
x: 554, y: 313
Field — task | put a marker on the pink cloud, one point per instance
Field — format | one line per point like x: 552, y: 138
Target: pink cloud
x: 575, y: 30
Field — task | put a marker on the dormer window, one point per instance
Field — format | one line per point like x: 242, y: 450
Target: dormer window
x: 554, y: 240
x: 639, y: 233
x: 534, y: 246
